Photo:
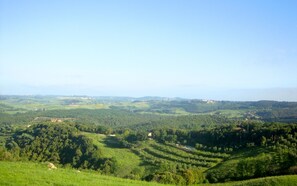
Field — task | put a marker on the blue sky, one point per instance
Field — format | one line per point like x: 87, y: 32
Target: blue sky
x: 225, y: 50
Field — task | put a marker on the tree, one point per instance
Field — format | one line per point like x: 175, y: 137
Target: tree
x: 109, y: 166
x: 263, y: 141
x: 194, y: 176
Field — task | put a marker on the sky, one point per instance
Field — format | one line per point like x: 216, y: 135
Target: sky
x: 203, y: 49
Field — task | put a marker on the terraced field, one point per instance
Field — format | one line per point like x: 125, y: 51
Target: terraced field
x: 154, y: 153
x: 157, y: 153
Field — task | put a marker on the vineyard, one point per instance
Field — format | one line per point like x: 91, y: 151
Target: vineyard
x: 186, y: 157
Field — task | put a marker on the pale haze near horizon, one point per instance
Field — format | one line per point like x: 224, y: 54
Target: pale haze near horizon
x: 223, y: 50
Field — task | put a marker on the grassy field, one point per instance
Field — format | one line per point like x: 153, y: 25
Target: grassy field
x: 25, y: 173
x: 127, y: 160
x: 28, y: 173
x: 230, y: 113
x: 288, y: 180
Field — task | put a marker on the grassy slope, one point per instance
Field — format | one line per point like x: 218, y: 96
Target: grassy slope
x: 26, y: 173
x: 175, y: 155
x: 127, y: 160
x: 288, y: 180
x: 228, y: 167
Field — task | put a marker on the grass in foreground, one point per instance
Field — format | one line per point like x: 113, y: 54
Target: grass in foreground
x: 288, y: 180
x: 27, y: 173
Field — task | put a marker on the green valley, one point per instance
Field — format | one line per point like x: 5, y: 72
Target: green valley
x: 218, y: 143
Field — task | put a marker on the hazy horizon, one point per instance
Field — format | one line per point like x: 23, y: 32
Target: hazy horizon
x: 235, y: 95
x: 220, y: 50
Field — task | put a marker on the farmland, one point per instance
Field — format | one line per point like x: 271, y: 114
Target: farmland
x: 144, y: 139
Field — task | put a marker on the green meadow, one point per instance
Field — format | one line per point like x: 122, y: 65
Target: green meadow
x: 127, y: 160
x: 25, y: 173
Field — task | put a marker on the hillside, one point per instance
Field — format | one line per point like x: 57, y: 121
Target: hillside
x: 267, y: 181
x: 221, y: 154
x: 263, y: 110
x: 219, y: 144
x: 127, y: 161
x: 28, y: 173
